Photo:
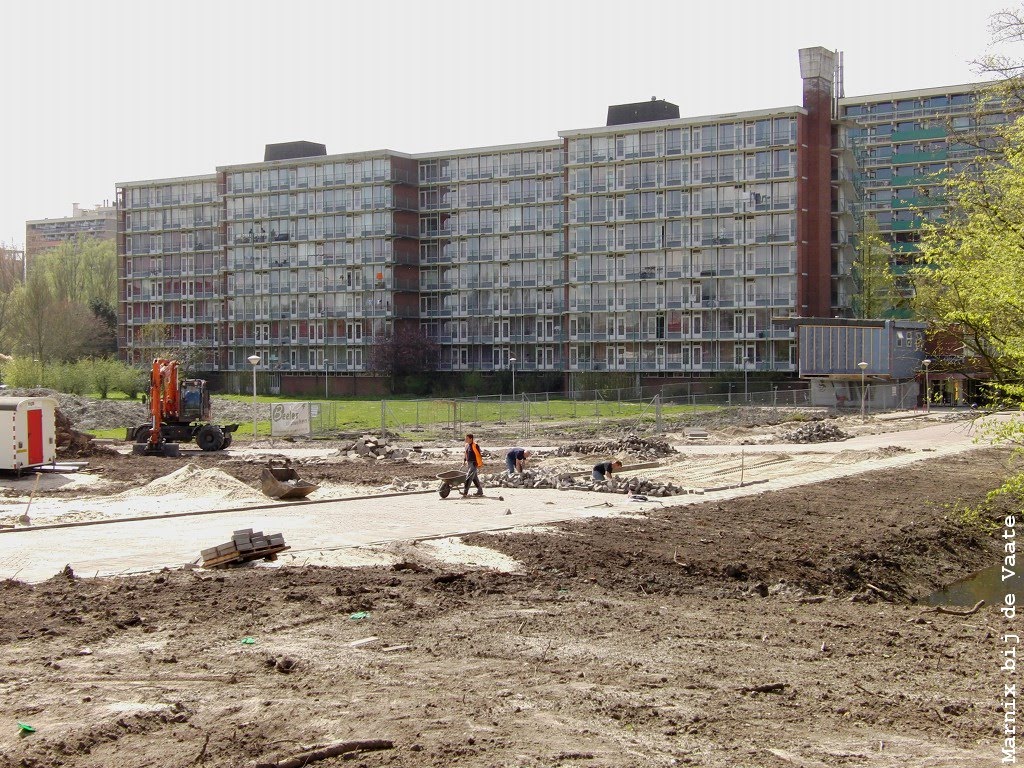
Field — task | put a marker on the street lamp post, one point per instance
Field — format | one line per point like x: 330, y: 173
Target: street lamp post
x: 927, y: 389
x: 863, y: 390
x: 512, y: 363
x: 254, y: 360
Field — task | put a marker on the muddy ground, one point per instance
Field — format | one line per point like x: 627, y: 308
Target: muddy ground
x: 621, y: 642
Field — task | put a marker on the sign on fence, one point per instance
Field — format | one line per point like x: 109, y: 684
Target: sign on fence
x: 289, y: 419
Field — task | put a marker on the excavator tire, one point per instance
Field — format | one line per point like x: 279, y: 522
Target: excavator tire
x: 210, y: 438
x: 227, y: 440
x: 141, y: 433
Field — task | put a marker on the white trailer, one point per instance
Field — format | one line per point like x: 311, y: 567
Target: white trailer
x: 28, y: 432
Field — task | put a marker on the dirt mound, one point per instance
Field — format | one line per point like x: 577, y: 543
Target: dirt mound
x: 632, y: 445
x: 194, y: 481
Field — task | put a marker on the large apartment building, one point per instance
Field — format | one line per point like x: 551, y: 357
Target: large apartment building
x: 657, y: 245
x: 99, y: 222
x: 906, y: 144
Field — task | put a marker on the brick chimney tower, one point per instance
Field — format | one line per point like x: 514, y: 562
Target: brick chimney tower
x: 814, y: 185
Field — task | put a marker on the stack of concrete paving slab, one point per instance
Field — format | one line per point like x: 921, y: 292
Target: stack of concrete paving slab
x: 244, y: 545
x: 370, y: 447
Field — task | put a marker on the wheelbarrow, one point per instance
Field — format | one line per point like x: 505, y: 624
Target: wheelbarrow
x: 448, y: 480
x: 279, y: 481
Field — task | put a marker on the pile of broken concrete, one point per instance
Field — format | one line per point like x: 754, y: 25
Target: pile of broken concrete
x: 542, y: 478
x: 70, y: 443
x: 372, y: 448
x: 815, y: 432
x: 632, y: 445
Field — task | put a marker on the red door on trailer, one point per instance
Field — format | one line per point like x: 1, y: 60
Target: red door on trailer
x: 35, y: 436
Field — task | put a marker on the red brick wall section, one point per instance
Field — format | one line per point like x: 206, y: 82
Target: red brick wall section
x: 338, y: 386
x: 814, y: 192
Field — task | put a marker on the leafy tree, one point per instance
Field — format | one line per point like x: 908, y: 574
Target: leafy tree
x: 82, y: 269
x: 405, y: 351
x: 155, y: 339
x: 873, y: 279
x: 106, y: 321
x: 10, y: 278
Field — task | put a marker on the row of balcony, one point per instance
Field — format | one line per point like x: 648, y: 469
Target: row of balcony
x: 671, y: 363
x: 784, y: 203
x: 170, y: 225
x: 377, y: 204
x: 579, y: 155
x: 391, y: 176
x: 408, y: 285
x: 166, y: 200
x: 512, y: 171
x: 758, y: 237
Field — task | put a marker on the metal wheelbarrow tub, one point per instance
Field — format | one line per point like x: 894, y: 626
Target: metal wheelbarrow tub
x: 279, y: 481
x: 449, y: 479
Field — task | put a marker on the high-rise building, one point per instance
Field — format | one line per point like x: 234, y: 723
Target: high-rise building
x: 99, y: 222
x: 657, y: 245
x: 907, y: 143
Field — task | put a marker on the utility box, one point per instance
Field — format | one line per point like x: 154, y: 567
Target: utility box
x: 28, y: 432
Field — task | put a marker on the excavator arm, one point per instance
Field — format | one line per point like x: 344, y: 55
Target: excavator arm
x: 163, y: 396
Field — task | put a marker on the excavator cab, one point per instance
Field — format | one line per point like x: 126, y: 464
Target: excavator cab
x: 194, y: 401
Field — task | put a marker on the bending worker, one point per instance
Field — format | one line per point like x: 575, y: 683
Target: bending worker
x: 603, y: 471
x: 515, y: 460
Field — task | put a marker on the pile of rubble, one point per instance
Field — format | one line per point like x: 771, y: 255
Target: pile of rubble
x: 815, y: 432
x: 71, y: 443
x: 370, y: 447
x: 540, y: 478
x: 633, y: 445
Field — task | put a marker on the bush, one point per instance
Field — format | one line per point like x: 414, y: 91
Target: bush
x: 131, y: 381
x: 22, y: 373
x: 106, y: 373
x: 73, y: 378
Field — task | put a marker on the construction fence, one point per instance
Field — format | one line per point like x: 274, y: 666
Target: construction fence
x: 641, y: 409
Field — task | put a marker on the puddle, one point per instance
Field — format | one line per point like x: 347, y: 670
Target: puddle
x: 986, y: 585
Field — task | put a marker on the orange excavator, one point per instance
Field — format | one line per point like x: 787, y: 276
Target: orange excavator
x: 180, y: 414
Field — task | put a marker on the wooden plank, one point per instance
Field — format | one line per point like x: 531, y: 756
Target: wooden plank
x: 241, y: 557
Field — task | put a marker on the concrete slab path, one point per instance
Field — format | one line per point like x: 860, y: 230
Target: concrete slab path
x: 34, y: 554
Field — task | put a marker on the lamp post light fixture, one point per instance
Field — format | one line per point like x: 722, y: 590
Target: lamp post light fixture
x: 254, y: 360
x: 927, y: 389
x: 863, y: 390
x: 512, y: 363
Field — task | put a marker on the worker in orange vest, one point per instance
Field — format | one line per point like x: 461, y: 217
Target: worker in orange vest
x: 473, y: 461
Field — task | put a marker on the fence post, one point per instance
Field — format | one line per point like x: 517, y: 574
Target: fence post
x: 417, y: 414
x: 658, y: 425
x: 383, y: 417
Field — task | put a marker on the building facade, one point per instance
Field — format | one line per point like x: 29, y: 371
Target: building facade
x: 673, y: 246
x: 99, y: 222
x: 907, y: 143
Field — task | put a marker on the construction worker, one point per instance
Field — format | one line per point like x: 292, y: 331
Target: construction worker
x: 603, y: 471
x: 472, y: 461
x: 515, y: 460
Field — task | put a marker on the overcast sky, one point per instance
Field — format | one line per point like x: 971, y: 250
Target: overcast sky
x: 118, y: 90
